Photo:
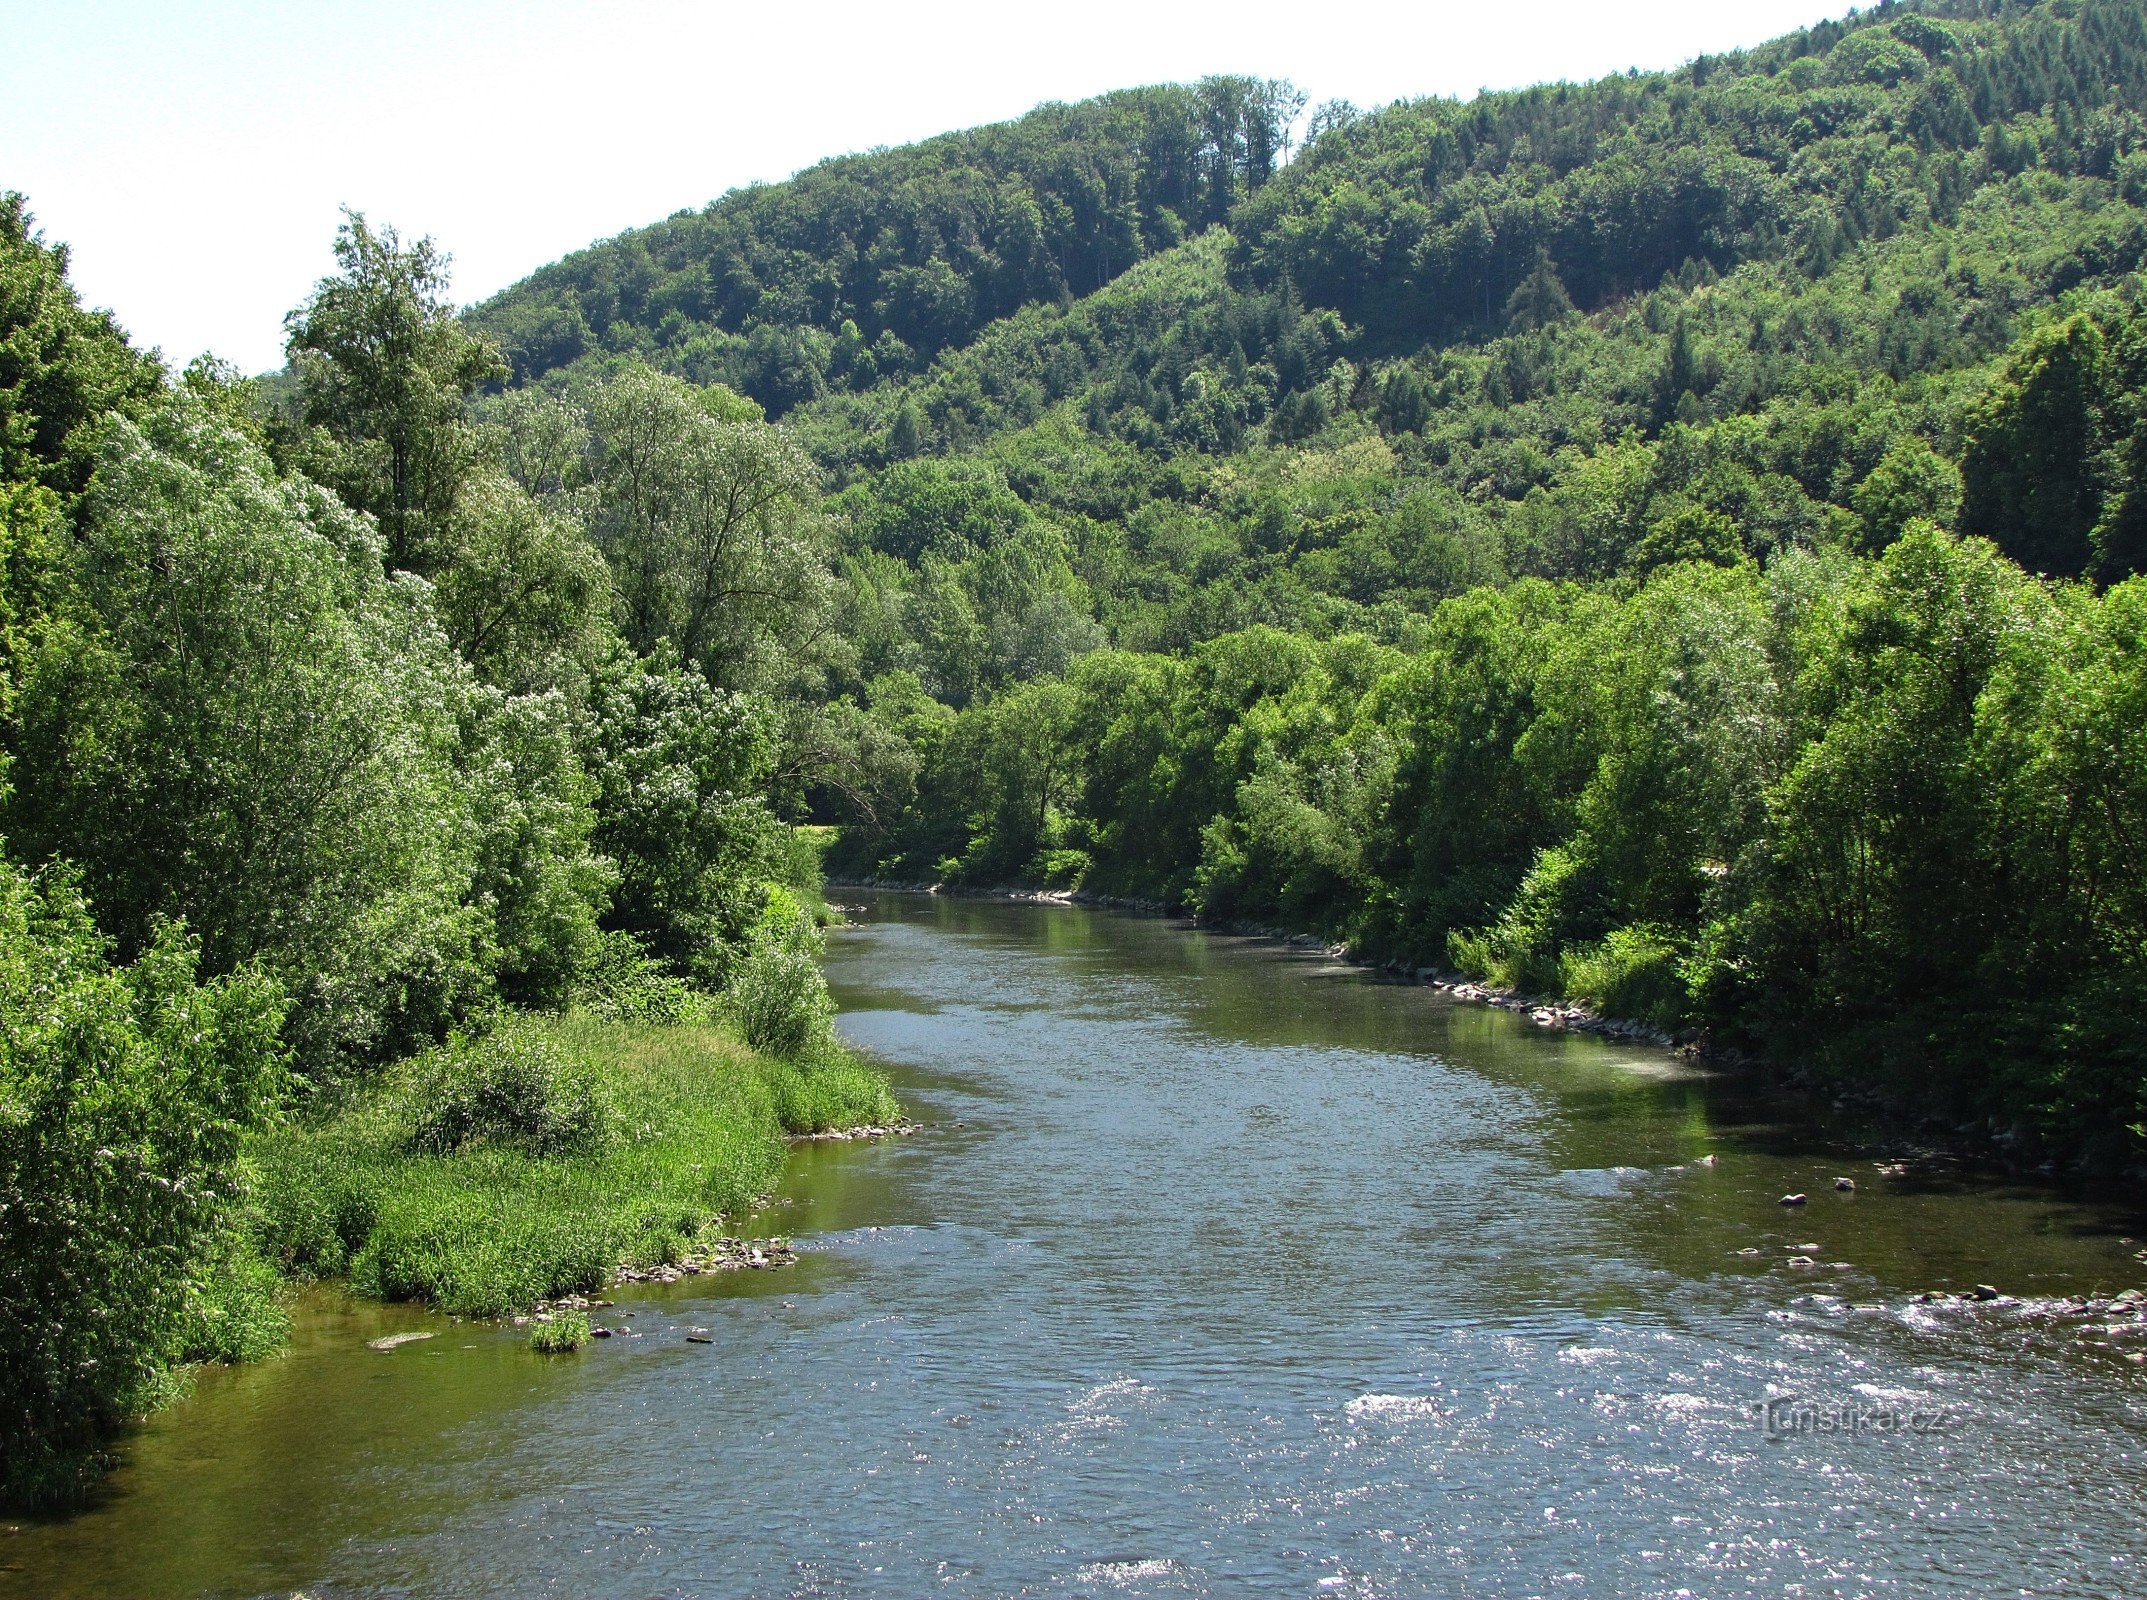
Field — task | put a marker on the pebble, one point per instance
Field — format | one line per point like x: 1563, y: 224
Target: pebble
x: 719, y: 1255
x: 1845, y: 1185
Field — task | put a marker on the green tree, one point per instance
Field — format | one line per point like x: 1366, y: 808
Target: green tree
x: 385, y: 368
x: 709, y: 518
x: 61, y: 367
x: 2032, y: 472
x: 236, y: 718
x: 681, y: 770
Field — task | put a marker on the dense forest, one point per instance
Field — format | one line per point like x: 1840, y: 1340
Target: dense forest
x: 1667, y: 542
x: 1660, y: 542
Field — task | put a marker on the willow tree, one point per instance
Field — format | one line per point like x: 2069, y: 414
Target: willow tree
x: 708, y: 517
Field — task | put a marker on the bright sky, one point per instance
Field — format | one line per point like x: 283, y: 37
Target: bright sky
x: 194, y: 153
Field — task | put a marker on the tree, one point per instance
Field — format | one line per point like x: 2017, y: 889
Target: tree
x: 61, y: 367
x: 385, y: 366
x: 707, y: 515
x: 237, y: 718
x: 681, y: 769
x: 1541, y: 298
x: 524, y: 593
x: 124, y: 1094
x: 2032, y: 472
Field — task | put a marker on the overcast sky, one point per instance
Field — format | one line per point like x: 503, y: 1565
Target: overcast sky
x: 194, y: 153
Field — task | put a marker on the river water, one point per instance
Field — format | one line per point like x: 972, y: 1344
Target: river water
x: 1218, y: 1269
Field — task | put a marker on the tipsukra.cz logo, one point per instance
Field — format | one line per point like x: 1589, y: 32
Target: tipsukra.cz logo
x: 1789, y: 1417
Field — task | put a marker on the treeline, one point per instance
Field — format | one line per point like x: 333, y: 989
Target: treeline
x: 1664, y: 542
x: 1884, y: 817
x: 338, y: 723
x: 1429, y: 218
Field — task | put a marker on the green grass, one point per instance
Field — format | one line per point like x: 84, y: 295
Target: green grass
x: 492, y: 1227
x: 568, y: 1330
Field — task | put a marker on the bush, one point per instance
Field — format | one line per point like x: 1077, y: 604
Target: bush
x: 513, y: 1087
x: 568, y: 1330
x: 1635, y: 972
x: 777, y: 992
x: 1521, y: 949
x: 624, y: 983
x: 123, y: 1097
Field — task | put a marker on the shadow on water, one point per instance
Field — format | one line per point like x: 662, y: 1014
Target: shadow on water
x: 1217, y: 1268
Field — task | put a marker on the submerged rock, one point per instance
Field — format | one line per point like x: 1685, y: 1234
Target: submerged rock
x: 1791, y: 1200
x: 394, y: 1339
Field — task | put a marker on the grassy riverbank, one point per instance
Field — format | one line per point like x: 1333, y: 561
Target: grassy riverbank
x: 484, y: 1177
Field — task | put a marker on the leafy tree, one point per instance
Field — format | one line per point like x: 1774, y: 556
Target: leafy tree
x: 238, y: 719
x: 707, y: 517
x: 384, y: 367
x: 2030, y: 473
x: 680, y: 769
x: 61, y: 367
x: 524, y: 593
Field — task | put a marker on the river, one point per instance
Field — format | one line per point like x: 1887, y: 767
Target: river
x: 1217, y: 1269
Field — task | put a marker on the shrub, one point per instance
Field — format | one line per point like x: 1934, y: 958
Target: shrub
x: 624, y: 983
x: 513, y: 1087
x: 1635, y: 972
x: 568, y: 1330
x: 123, y: 1097
x: 777, y: 992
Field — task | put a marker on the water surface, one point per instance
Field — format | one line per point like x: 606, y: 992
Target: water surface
x: 1219, y: 1269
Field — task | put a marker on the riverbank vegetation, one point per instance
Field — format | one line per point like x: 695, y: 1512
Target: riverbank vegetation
x: 393, y: 884
x: 490, y: 1173
x: 1668, y: 541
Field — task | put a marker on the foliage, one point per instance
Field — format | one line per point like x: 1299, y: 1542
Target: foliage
x: 680, y: 768
x: 124, y: 1095
x: 777, y: 992
x: 512, y: 1086
x: 383, y: 365
x: 705, y: 515
x: 559, y: 1332
x: 493, y: 1226
x: 865, y: 265
x: 237, y: 719
x: 62, y: 368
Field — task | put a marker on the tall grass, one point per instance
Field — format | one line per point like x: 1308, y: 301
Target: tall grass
x: 693, y: 1132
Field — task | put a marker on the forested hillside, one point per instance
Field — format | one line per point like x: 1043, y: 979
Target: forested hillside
x: 866, y: 267
x: 1667, y: 542
x: 1660, y: 541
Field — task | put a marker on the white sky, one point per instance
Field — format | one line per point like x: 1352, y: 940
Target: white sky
x: 193, y: 153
